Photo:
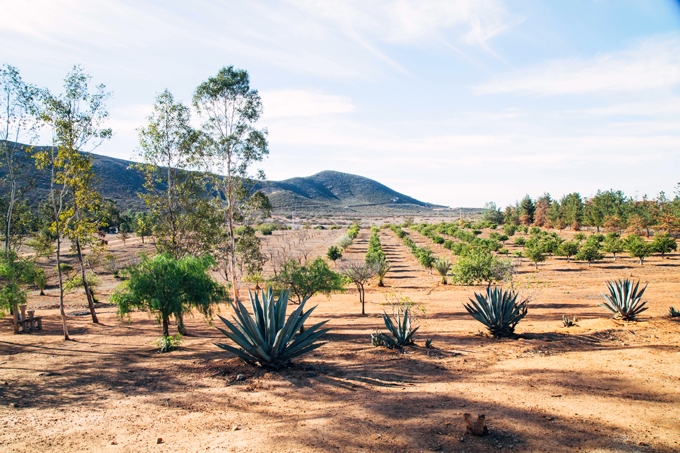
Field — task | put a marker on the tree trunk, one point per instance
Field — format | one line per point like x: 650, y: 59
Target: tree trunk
x: 62, y: 312
x: 362, y: 299
x: 181, y: 328
x: 88, y: 292
x: 166, y: 331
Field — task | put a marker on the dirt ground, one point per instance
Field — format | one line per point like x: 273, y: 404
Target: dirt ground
x: 604, y: 386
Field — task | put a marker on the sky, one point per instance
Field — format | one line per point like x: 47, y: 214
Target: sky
x: 453, y: 102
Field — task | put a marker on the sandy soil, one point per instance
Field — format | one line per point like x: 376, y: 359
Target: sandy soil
x: 604, y: 386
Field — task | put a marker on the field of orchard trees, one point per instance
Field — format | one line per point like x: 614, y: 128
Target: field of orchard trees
x: 205, y: 322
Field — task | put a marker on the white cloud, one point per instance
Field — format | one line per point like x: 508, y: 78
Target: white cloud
x: 409, y: 21
x: 652, y: 64
x: 302, y: 103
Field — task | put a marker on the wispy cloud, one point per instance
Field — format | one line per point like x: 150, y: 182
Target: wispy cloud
x: 652, y: 64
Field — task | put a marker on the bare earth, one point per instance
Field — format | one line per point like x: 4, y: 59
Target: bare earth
x: 604, y: 386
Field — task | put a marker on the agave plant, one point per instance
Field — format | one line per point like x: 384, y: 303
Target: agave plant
x: 400, y: 328
x: 498, y: 310
x: 624, y: 299
x: 267, y: 338
x: 673, y: 313
x: 569, y: 322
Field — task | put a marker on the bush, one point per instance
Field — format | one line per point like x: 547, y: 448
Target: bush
x: 334, y: 253
x: 637, y: 247
x: 589, y: 252
x: 304, y: 281
x: 478, y: 265
x: 169, y: 343
x: 509, y: 229
x: 663, y: 244
x: 167, y: 287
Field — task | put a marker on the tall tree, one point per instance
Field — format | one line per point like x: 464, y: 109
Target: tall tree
x: 18, y: 122
x: 184, y: 214
x: 230, y: 109
x: 76, y: 118
x: 527, y: 209
x: 572, y: 210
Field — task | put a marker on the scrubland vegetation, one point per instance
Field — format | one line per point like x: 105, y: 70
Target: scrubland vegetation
x: 433, y: 297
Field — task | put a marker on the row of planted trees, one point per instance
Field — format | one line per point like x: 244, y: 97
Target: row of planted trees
x: 610, y: 210
x: 198, y: 182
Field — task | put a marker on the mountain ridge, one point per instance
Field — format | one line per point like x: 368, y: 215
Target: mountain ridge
x: 327, y: 191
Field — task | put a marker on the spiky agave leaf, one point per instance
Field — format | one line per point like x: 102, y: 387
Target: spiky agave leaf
x: 624, y: 299
x: 401, y: 330
x: 266, y: 337
x: 498, y: 310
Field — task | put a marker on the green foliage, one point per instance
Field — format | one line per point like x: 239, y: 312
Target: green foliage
x: 637, y: 247
x: 334, y: 253
x: 535, y: 253
x: 590, y: 252
x: 43, y: 243
x: 492, y: 214
x: 624, y: 299
x: 568, y: 249
x: 353, y: 231
x: 478, y: 265
x: 375, y: 253
x: 166, y: 286
x: 76, y: 282
x: 168, y: 343
x: 184, y: 217
x: 580, y: 237
x: 534, y: 230
x: 521, y: 241
x: 267, y: 338
x: 15, y: 274
x: 40, y: 280
x: 443, y: 267
x: 663, y: 244
x: 509, y: 229
x: 612, y: 244
x: 304, y: 281
x: 400, y: 328
x: 498, y: 310
x: 382, y: 267
x: 249, y: 256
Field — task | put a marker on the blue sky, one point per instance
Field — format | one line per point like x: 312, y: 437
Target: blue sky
x: 455, y: 102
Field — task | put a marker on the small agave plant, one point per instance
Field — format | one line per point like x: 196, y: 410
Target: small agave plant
x: 624, y: 299
x: 498, y: 310
x: 673, y: 313
x: 400, y: 328
x: 267, y: 338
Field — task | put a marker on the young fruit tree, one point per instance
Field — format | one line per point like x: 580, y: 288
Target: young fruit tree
x: 304, y: 281
x: 359, y: 273
x: 230, y: 108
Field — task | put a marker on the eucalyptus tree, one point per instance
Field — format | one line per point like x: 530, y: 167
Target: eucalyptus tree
x: 184, y: 215
x: 230, y: 109
x: 76, y: 118
x: 18, y: 122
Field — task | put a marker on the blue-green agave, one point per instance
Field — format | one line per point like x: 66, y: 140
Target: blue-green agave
x: 400, y: 328
x: 267, y: 338
x: 624, y: 299
x: 498, y: 310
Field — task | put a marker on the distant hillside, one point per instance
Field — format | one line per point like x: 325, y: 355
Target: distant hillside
x: 327, y: 192
x: 334, y: 190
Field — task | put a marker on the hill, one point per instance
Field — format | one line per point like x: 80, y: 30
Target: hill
x: 325, y: 192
